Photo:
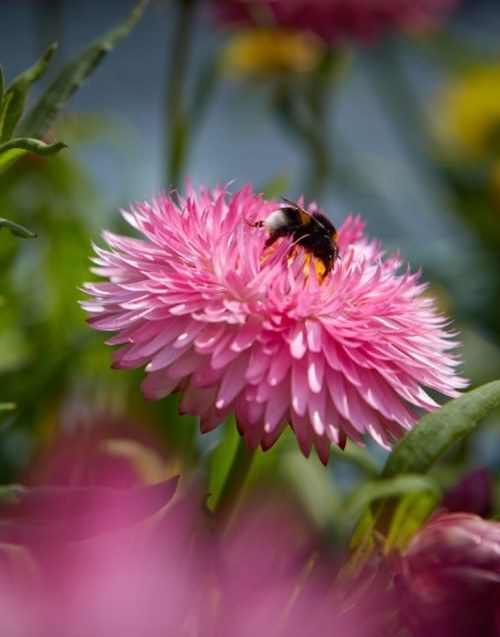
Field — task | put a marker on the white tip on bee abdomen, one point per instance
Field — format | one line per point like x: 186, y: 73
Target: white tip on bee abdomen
x: 275, y: 220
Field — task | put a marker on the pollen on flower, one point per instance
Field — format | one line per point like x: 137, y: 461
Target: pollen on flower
x: 196, y: 304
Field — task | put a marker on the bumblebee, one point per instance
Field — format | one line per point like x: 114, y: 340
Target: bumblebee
x: 313, y: 231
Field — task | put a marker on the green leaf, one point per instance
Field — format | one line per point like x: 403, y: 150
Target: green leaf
x: 230, y: 466
x: 433, y: 436
x: 408, y: 516
x: 315, y: 491
x: 40, y: 117
x: 19, y: 146
x: 15, y: 97
x: 220, y: 463
x: 7, y: 406
x: 10, y: 156
x: 16, y: 229
x: 4, y: 110
x: 370, y: 492
x: 2, y: 84
x: 32, y: 145
x: 357, y: 457
x: 362, y: 544
x: 394, y: 519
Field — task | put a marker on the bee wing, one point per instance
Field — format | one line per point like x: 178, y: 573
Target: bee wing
x: 305, y: 217
x: 308, y: 218
x: 326, y: 224
x: 293, y: 204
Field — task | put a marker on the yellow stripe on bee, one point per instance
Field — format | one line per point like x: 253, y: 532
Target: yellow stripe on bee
x: 305, y: 218
x: 311, y: 264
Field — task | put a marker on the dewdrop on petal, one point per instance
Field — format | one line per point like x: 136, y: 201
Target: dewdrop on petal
x: 194, y: 302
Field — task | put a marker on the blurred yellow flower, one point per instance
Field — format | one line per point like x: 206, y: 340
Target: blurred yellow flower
x: 469, y: 114
x: 267, y: 51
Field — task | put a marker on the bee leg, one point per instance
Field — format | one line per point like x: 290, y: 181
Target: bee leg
x: 328, y: 263
x: 256, y: 224
x: 270, y: 240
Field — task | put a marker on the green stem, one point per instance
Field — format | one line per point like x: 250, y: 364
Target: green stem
x: 303, y: 105
x: 204, y: 91
x: 176, y: 111
x: 318, y: 174
x: 311, y: 138
x: 321, y: 150
x: 232, y: 489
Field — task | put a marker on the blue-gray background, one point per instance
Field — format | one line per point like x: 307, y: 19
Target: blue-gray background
x: 239, y: 140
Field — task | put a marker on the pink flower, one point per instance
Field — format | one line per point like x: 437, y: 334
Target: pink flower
x: 450, y: 577
x: 274, y: 579
x: 335, y: 20
x: 196, y: 302
x: 176, y: 575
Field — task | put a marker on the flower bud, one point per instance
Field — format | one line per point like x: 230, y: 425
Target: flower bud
x: 449, y: 577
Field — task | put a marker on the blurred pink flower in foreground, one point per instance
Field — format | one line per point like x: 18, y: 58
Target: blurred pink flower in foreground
x: 198, y: 305
x: 175, y: 576
x: 450, y: 577
x: 76, y: 565
x: 335, y: 20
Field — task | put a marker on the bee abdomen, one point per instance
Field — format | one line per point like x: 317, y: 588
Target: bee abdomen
x: 276, y: 220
